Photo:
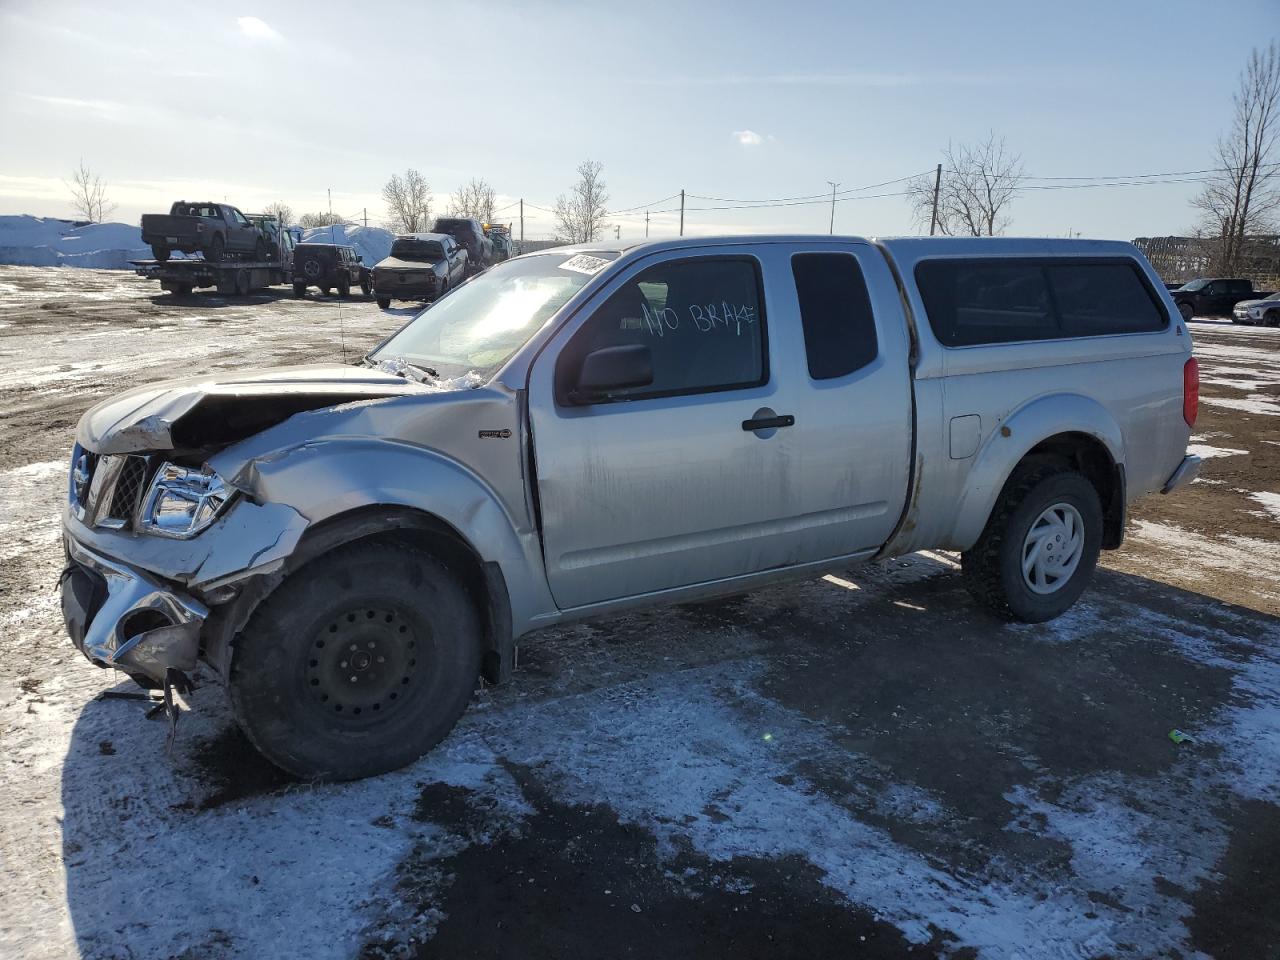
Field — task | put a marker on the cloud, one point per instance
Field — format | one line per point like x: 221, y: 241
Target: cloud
x: 258, y: 30
x: 749, y: 138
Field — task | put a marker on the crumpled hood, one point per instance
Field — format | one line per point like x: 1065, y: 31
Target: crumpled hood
x: 214, y: 410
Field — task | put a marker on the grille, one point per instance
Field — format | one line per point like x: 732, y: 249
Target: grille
x: 128, y: 491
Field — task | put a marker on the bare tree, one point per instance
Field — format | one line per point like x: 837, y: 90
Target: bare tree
x: 323, y: 219
x: 474, y: 199
x: 1242, y: 197
x: 281, y: 211
x: 408, y: 201
x: 978, y: 184
x: 580, y: 215
x: 89, y: 195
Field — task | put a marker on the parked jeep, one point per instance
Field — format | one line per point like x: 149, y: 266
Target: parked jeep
x: 211, y: 229
x: 422, y: 266
x: 471, y: 236
x: 326, y: 266
x: 583, y: 431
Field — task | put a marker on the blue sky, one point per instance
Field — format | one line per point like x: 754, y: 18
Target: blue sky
x: 736, y: 100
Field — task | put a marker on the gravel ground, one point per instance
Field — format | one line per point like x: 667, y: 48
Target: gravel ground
x: 861, y: 765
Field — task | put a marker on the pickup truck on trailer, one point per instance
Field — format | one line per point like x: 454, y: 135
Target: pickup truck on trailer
x: 587, y: 430
x: 212, y: 229
x: 229, y: 277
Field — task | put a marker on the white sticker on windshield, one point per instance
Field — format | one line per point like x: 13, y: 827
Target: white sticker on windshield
x: 584, y: 264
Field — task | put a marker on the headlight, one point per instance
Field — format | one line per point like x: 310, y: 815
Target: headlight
x: 182, y: 501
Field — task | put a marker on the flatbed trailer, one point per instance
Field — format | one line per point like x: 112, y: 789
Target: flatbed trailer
x: 229, y: 277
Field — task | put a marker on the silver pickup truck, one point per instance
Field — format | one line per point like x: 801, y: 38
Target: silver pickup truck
x: 590, y: 429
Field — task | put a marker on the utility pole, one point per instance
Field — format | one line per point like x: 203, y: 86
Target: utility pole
x: 682, y: 213
x: 617, y: 231
x: 522, y: 224
x: 366, y: 218
x: 646, y: 224
x: 329, y: 190
x: 937, y: 186
x: 832, y: 228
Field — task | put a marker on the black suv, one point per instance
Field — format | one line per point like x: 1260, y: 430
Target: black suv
x: 328, y: 265
x: 470, y: 235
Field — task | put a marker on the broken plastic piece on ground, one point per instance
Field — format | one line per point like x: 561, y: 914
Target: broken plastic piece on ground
x: 148, y: 696
x: 1177, y: 736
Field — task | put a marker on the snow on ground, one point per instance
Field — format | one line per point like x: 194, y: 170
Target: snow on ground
x: 1205, y: 451
x: 372, y: 243
x: 1270, y: 502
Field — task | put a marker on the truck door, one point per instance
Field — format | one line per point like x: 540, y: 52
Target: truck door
x: 732, y: 461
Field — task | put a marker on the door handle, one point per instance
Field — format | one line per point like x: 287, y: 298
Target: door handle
x: 768, y: 423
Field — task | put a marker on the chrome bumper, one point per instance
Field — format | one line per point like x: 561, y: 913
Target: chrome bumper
x: 119, y: 617
x: 1187, y: 471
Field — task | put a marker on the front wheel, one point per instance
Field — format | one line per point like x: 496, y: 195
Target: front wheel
x: 1040, y: 545
x: 299, y: 289
x: 359, y: 663
x: 217, y: 247
x: 366, y: 286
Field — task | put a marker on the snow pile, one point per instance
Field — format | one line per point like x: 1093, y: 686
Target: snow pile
x: 50, y: 242
x: 372, y: 243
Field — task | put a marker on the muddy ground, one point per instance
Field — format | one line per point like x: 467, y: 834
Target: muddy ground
x: 861, y: 765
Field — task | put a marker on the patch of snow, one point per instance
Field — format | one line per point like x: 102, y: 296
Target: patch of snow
x: 1205, y: 451
x: 1270, y: 502
x: 50, y: 242
x: 1255, y: 403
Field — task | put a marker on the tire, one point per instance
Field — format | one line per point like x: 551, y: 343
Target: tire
x: 366, y: 287
x: 1186, y: 311
x: 326, y: 290
x: 242, y: 282
x: 1034, y: 497
x: 182, y: 289
x: 161, y: 252
x: 299, y: 289
x: 216, y: 249
x: 344, y: 287
x: 1271, y: 318
x: 384, y: 302
x: 260, y: 250
x: 289, y: 673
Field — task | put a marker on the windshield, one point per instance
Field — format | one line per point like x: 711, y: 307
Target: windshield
x: 428, y: 250
x: 481, y: 324
x: 1194, y: 285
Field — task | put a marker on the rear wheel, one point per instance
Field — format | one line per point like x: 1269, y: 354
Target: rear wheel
x: 366, y: 286
x: 384, y: 302
x: 1040, y: 546
x: 359, y: 663
x: 217, y: 247
x: 161, y: 252
x: 1185, y: 310
x: 242, y: 282
x: 260, y: 250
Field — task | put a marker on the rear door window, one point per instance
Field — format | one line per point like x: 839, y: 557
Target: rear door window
x: 1008, y: 300
x: 701, y: 320
x: 835, y: 312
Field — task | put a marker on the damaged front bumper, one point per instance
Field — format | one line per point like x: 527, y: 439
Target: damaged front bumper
x: 120, y: 617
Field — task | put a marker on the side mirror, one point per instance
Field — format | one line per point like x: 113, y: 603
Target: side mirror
x: 609, y: 369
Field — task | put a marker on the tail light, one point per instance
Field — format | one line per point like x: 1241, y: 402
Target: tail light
x: 1190, y: 391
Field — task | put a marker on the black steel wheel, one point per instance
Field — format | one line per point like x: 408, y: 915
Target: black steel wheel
x: 161, y: 252
x: 217, y: 247
x: 359, y: 663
